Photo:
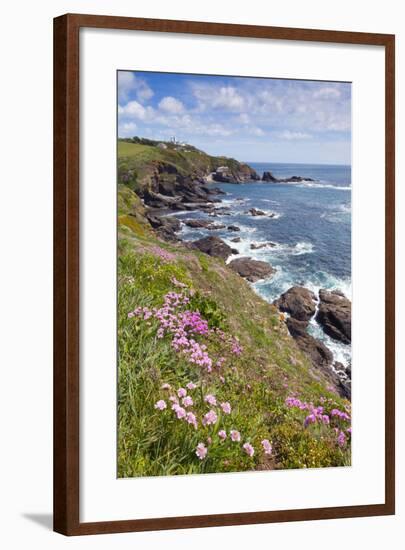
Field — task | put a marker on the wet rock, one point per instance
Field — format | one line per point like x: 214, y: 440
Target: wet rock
x: 205, y: 224
x: 214, y: 246
x: 299, y: 302
x: 335, y: 315
x: 258, y: 246
x: 233, y: 228
x: 213, y: 226
x: 315, y: 349
x: 236, y: 240
x: 320, y: 356
x: 256, y: 212
x: 252, y: 270
x: 197, y: 223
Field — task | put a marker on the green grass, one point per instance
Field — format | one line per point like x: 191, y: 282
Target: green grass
x: 271, y: 368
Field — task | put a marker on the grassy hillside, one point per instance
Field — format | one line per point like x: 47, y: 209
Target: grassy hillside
x: 240, y: 355
x: 138, y: 163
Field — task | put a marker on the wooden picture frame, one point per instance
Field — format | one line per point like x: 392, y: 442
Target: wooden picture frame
x: 67, y: 283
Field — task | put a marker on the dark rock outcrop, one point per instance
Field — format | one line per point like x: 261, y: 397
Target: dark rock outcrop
x: 335, y: 315
x: 252, y: 270
x: 256, y: 212
x: 205, y: 224
x: 258, y: 246
x: 166, y: 226
x: 295, y: 179
x: 214, y: 226
x: 241, y: 174
x: 268, y: 176
x: 299, y: 302
x: 214, y: 246
x: 320, y: 356
x: 197, y: 223
x: 233, y: 228
x: 236, y: 240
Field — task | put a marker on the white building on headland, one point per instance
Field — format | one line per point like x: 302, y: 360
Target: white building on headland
x: 176, y: 142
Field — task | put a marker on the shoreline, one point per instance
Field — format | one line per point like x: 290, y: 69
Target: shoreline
x: 309, y: 340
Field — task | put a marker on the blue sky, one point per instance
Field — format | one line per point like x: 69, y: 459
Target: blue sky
x: 251, y: 119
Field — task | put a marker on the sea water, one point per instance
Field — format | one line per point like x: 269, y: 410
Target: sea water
x: 311, y: 231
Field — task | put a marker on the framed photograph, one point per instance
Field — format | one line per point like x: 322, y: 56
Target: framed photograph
x: 223, y: 274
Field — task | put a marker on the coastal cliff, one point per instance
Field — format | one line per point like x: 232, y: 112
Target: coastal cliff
x: 166, y: 174
x: 247, y: 352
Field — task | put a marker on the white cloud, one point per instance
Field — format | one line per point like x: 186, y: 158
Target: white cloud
x: 128, y: 82
x: 133, y: 109
x: 289, y: 135
x: 127, y: 129
x: 256, y: 131
x: 328, y: 92
x: 244, y: 118
x: 170, y: 104
x: 222, y: 97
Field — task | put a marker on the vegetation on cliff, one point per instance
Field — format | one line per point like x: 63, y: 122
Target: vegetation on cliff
x: 209, y: 379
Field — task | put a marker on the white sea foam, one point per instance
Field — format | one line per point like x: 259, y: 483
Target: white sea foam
x: 302, y: 248
x: 270, y: 215
x: 310, y: 184
x: 341, y: 352
x: 271, y: 201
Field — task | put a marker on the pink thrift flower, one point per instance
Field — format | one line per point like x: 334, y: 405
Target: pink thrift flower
x: 161, y: 405
x: 173, y: 399
x: 267, y: 446
x: 210, y: 418
x: 249, y: 450
x: 235, y: 435
x: 341, y: 439
x: 210, y: 399
x: 222, y: 435
x: 191, y: 386
x: 180, y: 412
x: 201, y: 451
x: 310, y: 419
x: 187, y: 401
x: 191, y: 419
x: 226, y: 407
x: 166, y: 386
x: 181, y: 392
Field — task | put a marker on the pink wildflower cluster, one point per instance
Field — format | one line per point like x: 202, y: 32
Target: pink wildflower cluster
x: 181, y: 401
x: 318, y: 415
x: 162, y: 253
x: 339, y: 414
x: 185, y: 327
x: 267, y: 448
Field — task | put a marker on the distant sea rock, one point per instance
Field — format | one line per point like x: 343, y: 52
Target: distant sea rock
x: 269, y: 178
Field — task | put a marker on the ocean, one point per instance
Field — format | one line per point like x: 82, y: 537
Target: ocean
x: 311, y: 230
